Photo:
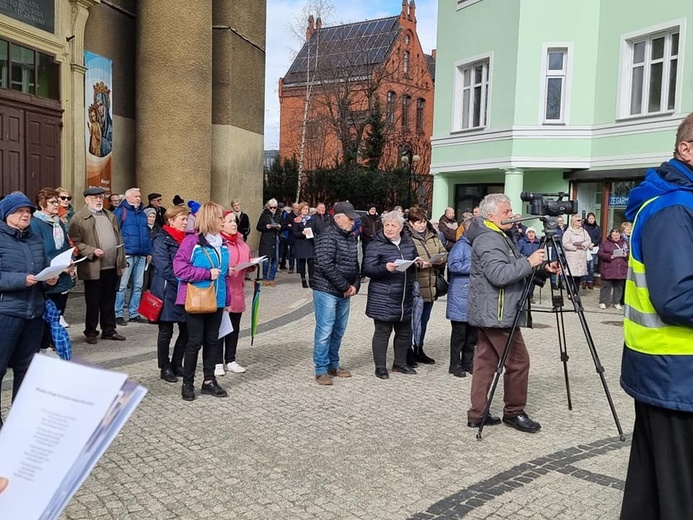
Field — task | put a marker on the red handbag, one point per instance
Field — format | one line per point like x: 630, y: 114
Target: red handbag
x: 150, y: 306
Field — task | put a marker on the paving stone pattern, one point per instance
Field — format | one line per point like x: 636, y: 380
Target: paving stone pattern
x: 283, y: 447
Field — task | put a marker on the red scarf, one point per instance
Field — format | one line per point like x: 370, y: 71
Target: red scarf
x: 230, y: 238
x: 177, y: 235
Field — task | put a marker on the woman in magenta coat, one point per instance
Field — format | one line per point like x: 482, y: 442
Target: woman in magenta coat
x: 239, y: 252
x: 613, y: 257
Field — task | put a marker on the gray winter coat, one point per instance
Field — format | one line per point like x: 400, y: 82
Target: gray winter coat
x: 497, y: 279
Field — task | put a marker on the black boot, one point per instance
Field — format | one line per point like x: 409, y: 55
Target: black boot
x: 411, y: 358
x: 421, y: 356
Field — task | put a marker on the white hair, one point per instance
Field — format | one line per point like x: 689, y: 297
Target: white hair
x: 489, y: 206
x: 271, y: 202
x: 393, y: 216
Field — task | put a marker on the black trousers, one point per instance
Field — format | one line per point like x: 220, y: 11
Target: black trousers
x: 302, y: 268
x: 19, y: 341
x: 100, y: 296
x: 163, y: 341
x: 659, y: 484
x: 381, y: 340
x: 231, y: 340
x: 462, y: 342
x: 60, y: 301
x: 203, y: 331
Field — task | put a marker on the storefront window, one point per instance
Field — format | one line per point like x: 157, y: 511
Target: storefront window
x: 3, y: 64
x: 589, y: 198
x: 48, y: 77
x: 23, y: 69
x: 618, y: 200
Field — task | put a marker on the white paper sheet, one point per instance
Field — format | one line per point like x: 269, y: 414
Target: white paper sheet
x: 61, y: 422
x: 308, y: 232
x: 403, y: 265
x: 225, y: 328
x: 437, y: 257
x: 253, y: 261
x: 58, y: 265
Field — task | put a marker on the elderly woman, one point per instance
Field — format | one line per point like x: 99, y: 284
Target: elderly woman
x: 203, y: 260
x: 463, y: 336
x: 239, y: 252
x: 389, y: 301
x: 270, y: 226
x: 21, y: 307
x: 165, y: 287
x: 527, y: 245
x: 577, y: 245
x: 613, y: 257
x: 65, y: 208
x: 302, y: 231
x: 47, y: 225
x: 428, y: 245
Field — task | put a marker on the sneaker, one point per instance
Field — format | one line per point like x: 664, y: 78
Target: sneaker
x: 63, y: 323
x: 617, y: 307
x: 339, y: 372
x: 219, y: 370
x: 121, y: 322
x: 213, y: 388
x: 323, y: 379
x: 235, y: 367
x: 602, y: 306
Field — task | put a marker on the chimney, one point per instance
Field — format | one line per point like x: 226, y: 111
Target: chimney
x: 412, y: 11
x: 318, y: 24
x: 433, y: 53
x: 311, y: 28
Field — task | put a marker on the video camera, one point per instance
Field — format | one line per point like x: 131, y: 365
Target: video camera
x: 538, y: 205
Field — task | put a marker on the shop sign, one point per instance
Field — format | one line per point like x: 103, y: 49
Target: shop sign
x: 39, y: 13
x: 618, y: 200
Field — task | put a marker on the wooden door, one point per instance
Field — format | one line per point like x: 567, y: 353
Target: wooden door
x: 42, y: 152
x: 11, y: 149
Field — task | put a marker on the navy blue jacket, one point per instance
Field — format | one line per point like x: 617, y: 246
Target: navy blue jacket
x: 134, y: 228
x: 389, y: 293
x: 45, y: 231
x: 165, y: 282
x: 526, y: 247
x: 303, y: 246
x: 21, y: 253
x: 336, y: 262
x: 459, y: 270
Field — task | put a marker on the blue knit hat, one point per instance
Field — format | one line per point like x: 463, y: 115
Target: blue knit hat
x: 12, y: 203
x: 194, y: 206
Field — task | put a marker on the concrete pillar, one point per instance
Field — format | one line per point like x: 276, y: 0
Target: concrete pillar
x: 174, y: 98
x: 238, y: 101
x: 514, y: 178
x: 441, y: 195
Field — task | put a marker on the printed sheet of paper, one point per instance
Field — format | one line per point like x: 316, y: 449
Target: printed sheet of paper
x: 64, y: 418
x: 437, y: 257
x: 226, y: 327
x: 253, y: 261
x: 403, y: 265
x: 58, y: 265
x: 308, y: 232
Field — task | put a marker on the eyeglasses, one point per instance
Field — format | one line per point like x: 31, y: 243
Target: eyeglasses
x: 273, y: 207
x: 64, y: 197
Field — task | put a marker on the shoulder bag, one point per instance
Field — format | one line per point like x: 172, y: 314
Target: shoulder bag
x: 201, y: 300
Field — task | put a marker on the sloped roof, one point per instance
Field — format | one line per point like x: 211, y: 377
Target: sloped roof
x: 431, y: 63
x: 345, y: 50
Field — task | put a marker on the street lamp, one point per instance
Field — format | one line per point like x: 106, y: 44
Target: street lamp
x: 409, y: 160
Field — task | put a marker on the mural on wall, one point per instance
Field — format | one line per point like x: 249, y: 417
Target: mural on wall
x: 99, y: 120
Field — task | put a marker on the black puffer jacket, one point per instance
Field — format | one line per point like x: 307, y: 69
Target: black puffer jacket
x: 389, y: 293
x: 21, y: 253
x: 336, y: 262
x: 268, y: 237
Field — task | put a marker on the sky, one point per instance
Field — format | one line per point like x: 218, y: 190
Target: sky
x: 285, y: 18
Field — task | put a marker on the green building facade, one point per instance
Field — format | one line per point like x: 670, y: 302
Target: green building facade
x: 555, y: 95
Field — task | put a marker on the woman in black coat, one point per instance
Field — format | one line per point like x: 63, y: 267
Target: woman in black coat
x: 270, y: 226
x: 304, y: 242
x: 390, y: 293
x: 165, y: 287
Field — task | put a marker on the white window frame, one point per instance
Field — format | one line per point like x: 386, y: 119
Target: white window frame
x: 566, y: 74
x: 461, y: 4
x: 458, y: 123
x: 626, y: 67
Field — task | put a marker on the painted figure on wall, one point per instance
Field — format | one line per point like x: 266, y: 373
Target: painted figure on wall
x: 102, y: 103
x: 94, y: 131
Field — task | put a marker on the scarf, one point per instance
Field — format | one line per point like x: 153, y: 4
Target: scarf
x: 58, y: 235
x: 230, y: 238
x: 177, y: 235
x: 214, y: 240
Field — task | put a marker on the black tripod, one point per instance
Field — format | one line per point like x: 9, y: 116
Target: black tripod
x: 554, y: 249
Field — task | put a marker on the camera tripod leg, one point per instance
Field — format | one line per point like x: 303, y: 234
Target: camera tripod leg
x: 563, y: 349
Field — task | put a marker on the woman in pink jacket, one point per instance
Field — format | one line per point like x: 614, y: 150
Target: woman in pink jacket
x: 239, y: 252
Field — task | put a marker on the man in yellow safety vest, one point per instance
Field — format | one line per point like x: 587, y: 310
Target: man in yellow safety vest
x: 657, y: 366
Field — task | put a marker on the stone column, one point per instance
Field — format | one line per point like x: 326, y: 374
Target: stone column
x: 238, y: 102
x: 174, y: 98
x: 441, y: 195
x: 514, y: 178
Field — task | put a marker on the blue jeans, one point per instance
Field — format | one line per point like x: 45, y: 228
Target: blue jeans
x: 331, y: 317
x: 269, y: 268
x: 425, y: 316
x: 590, y: 269
x: 134, y: 270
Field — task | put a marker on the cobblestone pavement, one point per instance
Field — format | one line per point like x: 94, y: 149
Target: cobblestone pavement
x: 283, y: 447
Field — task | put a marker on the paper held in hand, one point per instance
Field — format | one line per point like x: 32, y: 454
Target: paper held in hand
x: 437, y: 257
x: 253, y: 261
x: 64, y: 418
x: 308, y: 233
x: 403, y: 265
x: 58, y: 265
x: 619, y: 253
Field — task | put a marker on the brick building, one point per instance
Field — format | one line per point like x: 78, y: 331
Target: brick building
x: 339, y: 76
